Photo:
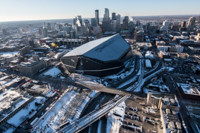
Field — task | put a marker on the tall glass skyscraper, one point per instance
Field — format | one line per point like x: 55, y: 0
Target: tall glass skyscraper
x: 97, y: 16
x: 106, y: 15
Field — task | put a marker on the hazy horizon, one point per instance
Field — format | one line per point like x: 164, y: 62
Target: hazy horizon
x: 23, y: 10
x: 54, y: 19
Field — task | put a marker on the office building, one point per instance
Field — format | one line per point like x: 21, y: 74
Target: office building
x: 97, y: 16
x: 114, y: 16
x: 125, y: 23
x: 191, y: 23
x: 106, y: 21
x: 118, y: 18
x: 93, y: 22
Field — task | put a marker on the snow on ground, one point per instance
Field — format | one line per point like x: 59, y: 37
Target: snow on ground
x: 24, y: 113
x: 128, y: 82
x: 138, y: 85
x: 122, y: 75
x: 187, y: 89
x: 9, y: 93
x: 169, y: 68
x: 12, y: 81
x: 154, y: 67
x: 51, y: 119
x: 3, y: 82
x: 8, y: 54
x: 85, y: 102
x: 149, y: 54
x: 80, y: 108
x: 53, y: 72
x: 93, y: 93
x: 90, y: 82
x: 62, y: 106
x: 115, y: 121
x: 21, y: 102
x: 4, y: 77
x: 145, y: 90
x: 50, y: 94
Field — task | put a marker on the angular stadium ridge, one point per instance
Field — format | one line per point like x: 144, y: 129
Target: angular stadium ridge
x: 100, y: 57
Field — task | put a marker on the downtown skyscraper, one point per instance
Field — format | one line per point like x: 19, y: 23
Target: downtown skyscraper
x: 106, y: 21
x: 97, y: 16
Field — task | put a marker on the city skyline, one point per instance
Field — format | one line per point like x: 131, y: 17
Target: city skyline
x: 12, y: 10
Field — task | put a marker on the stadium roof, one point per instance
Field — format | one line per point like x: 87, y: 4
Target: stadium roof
x: 104, y: 49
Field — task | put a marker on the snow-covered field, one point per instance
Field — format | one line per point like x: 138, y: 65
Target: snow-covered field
x: 53, y: 72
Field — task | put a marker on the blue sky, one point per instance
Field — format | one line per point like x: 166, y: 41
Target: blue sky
x: 12, y: 10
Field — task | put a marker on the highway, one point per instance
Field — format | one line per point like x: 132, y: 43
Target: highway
x: 143, y: 78
x: 88, y: 119
x: 103, y: 98
x: 157, y: 66
x: 140, y: 80
x: 96, y: 114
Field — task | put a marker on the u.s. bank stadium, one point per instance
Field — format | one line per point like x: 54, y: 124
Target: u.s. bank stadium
x: 100, y: 57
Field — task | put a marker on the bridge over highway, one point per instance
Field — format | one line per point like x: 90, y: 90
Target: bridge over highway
x: 101, y: 88
x: 93, y: 116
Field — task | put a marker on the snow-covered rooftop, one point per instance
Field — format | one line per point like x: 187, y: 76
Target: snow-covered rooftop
x: 24, y: 113
x: 53, y: 72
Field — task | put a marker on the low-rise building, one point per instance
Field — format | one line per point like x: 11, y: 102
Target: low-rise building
x: 32, y: 67
x: 169, y: 111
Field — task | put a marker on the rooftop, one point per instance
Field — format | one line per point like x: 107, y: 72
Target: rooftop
x: 105, y: 49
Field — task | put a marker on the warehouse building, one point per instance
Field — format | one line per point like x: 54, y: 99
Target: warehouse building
x: 100, y: 57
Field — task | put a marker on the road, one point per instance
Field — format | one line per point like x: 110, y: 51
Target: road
x: 103, y: 98
x: 88, y: 119
x: 139, y: 72
x: 97, y: 87
x: 144, y: 78
x: 157, y: 66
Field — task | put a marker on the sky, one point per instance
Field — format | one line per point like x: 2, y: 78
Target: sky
x: 15, y: 10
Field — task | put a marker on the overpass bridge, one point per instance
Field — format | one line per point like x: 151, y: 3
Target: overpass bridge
x: 85, y: 121
x: 101, y: 88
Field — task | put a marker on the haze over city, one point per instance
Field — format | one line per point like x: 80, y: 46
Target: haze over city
x: 16, y: 10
